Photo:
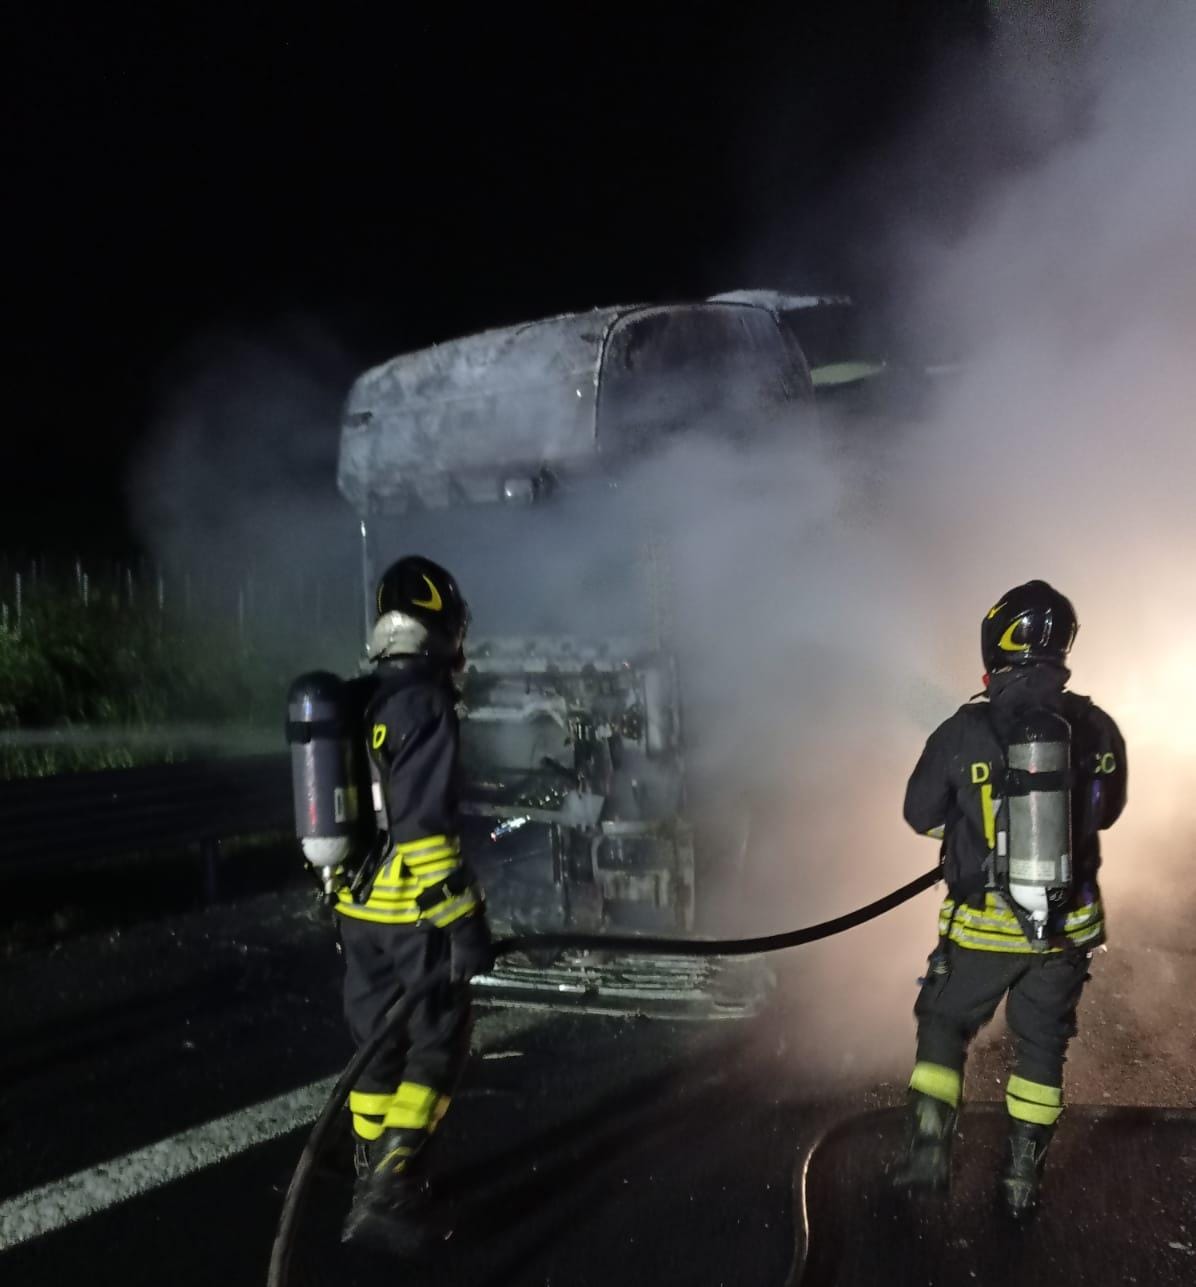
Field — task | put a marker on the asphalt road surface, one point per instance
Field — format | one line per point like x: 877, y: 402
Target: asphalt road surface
x: 158, y: 1084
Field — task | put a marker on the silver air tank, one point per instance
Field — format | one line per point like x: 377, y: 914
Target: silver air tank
x: 323, y: 732
x: 1038, y: 836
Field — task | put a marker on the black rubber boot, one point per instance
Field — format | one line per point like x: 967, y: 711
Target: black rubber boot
x: 337, y: 1162
x: 390, y: 1200
x: 1028, y: 1143
x: 362, y: 1170
x: 927, y: 1165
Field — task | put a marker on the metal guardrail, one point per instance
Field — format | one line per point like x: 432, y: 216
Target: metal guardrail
x: 119, y: 812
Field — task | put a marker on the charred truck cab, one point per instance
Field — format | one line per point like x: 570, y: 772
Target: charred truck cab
x: 501, y: 455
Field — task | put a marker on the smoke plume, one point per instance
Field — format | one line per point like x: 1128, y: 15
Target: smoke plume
x: 235, y: 492
x: 1063, y: 449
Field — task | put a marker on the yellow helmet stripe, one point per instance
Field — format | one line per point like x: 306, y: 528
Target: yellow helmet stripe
x: 435, y: 603
x: 1007, y: 645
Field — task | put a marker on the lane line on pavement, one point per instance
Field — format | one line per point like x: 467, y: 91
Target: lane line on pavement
x: 62, y: 1202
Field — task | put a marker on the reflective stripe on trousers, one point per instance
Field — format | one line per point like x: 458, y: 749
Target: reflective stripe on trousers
x: 409, y: 1107
x: 994, y: 928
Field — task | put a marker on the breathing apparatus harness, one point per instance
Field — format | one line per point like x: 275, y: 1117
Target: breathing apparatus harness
x: 340, y: 805
x: 1029, y: 863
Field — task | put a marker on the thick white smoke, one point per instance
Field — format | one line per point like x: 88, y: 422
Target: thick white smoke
x: 1066, y: 449
x: 828, y: 602
x: 235, y: 491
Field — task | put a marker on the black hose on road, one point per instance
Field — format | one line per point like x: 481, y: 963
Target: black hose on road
x: 721, y: 946
x: 402, y: 1002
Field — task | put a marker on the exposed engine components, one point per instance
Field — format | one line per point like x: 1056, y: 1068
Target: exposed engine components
x: 571, y: 755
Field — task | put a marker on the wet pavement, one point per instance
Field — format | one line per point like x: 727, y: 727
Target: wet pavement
x: 581, y: 1149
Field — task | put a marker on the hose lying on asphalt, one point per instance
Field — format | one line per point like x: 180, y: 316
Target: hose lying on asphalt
x: 402, y: 1002
x: 721, y: 946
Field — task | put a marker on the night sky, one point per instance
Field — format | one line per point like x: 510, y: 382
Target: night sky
x: 388, y: 183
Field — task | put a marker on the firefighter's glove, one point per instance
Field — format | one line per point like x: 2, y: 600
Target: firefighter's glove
x: 471, y: 950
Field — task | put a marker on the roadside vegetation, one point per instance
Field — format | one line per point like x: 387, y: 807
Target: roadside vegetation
x: 109, y: 673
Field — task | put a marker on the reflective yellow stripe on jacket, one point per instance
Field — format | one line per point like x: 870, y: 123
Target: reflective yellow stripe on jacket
x: 994, y: 928
x: 413, y: 868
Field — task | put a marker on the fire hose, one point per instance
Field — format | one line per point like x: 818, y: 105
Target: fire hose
x: 403, y: 1001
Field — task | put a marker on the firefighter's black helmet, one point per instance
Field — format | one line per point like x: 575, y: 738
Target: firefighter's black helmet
x: 419, y: 611
x: 1029, y: 624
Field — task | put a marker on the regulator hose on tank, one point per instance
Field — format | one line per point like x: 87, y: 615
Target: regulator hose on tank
x: 403, y: 1001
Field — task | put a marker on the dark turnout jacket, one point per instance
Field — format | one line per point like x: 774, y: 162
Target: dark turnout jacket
x: 955, y: 788
x: 411, y: 722
x: 414, y: 747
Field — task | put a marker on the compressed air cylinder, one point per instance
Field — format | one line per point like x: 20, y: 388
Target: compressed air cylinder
x: 1039, y: 820
x: 324, y: 769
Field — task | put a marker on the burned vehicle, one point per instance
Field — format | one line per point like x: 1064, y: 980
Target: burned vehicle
x: 505, y: 456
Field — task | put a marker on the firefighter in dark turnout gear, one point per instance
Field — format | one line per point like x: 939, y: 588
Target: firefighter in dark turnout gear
x: 962, y: 792
x: 415, y: 906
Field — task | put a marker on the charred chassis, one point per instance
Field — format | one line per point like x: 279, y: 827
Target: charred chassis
x: 573, y: 744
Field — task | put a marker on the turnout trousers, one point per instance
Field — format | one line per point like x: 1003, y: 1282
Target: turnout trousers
x: 1042, y: 992
x: 408, y: 1083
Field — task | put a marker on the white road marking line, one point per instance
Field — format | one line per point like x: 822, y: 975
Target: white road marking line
x: 62, y: 1202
